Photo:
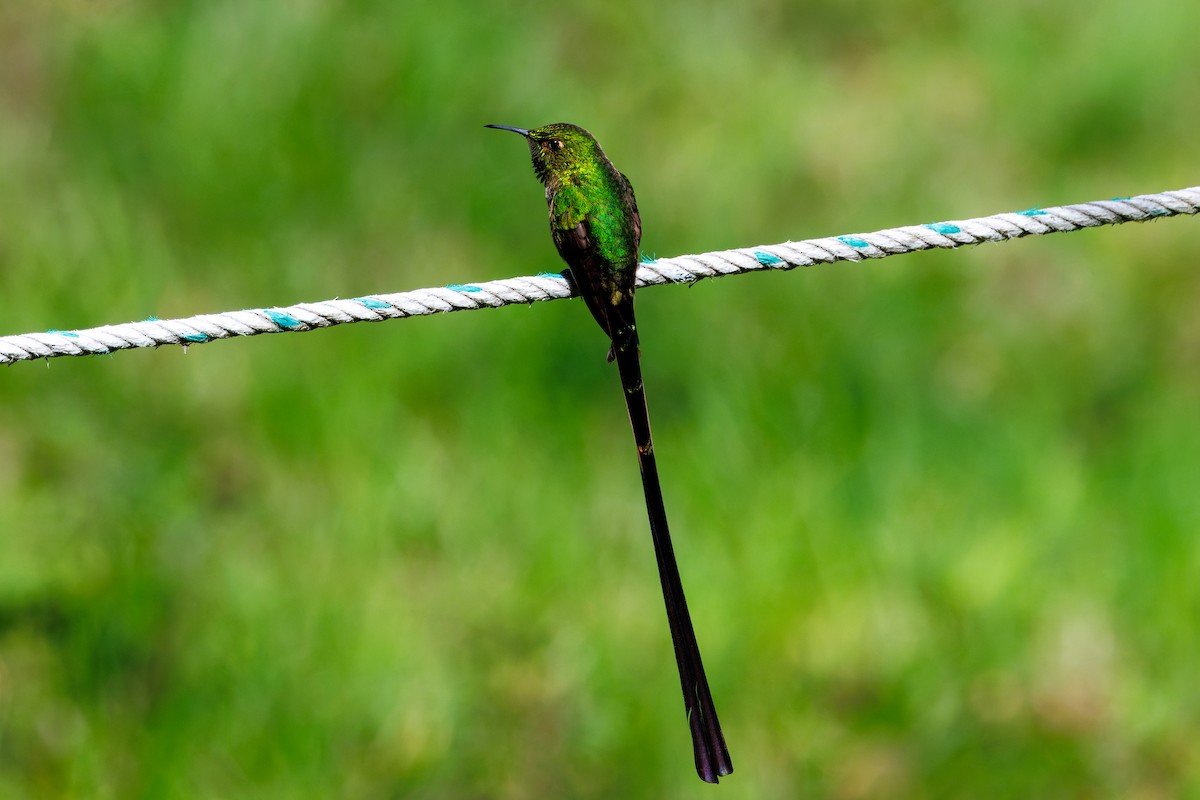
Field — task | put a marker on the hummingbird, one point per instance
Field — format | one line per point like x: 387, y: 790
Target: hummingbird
x: 596, y: 227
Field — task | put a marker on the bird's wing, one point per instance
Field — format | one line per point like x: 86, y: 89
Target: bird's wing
x: 627, y: 191
x: 568, y: 223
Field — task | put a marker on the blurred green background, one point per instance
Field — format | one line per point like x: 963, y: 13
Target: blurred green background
x: 936, y: 515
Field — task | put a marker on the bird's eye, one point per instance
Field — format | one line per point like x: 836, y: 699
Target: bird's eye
x: 556, y: 144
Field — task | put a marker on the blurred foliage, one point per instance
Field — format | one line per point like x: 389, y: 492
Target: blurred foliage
x: 936, y: 516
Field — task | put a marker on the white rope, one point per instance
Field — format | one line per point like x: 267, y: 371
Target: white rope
x: 552, y: 286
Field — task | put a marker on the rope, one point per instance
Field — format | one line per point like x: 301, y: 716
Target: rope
x: 553, y: 286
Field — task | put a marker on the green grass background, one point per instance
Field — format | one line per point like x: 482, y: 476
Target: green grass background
x: 937, y: 516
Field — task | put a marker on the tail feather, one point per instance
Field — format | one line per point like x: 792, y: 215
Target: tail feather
x: 712, y: 756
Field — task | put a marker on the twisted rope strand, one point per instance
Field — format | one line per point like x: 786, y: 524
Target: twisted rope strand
x: 154, y: 332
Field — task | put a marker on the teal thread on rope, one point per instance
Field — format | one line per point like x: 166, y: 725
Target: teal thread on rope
x: 944, y: 228
x: 283, y: 320
x: 371, y: 302
x: 154, y: 332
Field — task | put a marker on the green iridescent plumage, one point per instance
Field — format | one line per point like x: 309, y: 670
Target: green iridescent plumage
x: 594, y: 219
x: 596, y: 227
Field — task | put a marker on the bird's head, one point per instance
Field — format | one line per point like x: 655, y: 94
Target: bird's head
x: 559, y: 151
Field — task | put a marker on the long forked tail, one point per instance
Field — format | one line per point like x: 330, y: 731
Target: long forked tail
x: 712, y: 757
